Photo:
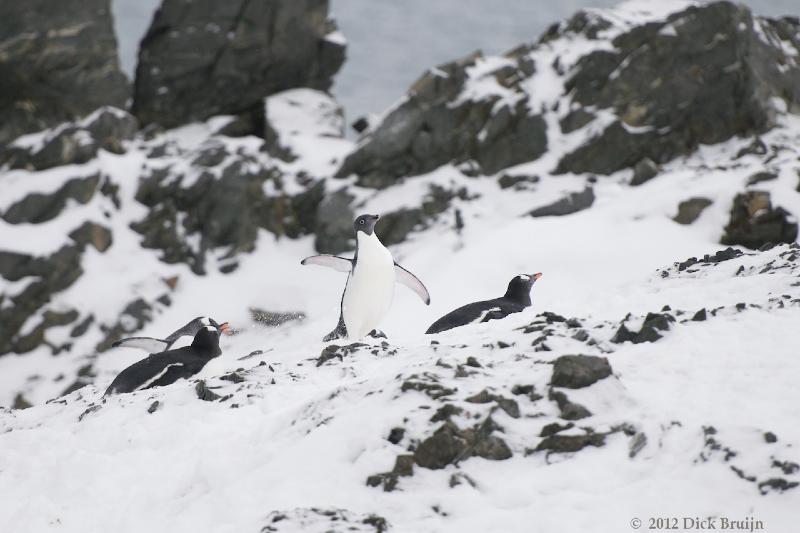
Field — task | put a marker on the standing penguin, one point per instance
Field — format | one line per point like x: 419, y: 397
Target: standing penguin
x: 183, y: 336
x: 164, y: 368
x: 369, y: 290
x: 516, y: 298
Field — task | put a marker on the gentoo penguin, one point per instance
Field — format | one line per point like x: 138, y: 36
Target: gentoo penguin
x: 516, y: 298
x: 179, y: 338
x: 369, y: 289
x: 163, y: 368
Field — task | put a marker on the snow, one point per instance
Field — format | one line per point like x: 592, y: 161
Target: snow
x: 305, y: 436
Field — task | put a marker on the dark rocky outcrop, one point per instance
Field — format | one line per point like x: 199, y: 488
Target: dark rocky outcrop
x: 577, y: 371
x: 58, y: 62
x: 430, y: 128
x: 449, y: 445
x: 572, y: 203
x: 74, y: 143
x: 643, y: 171
x: 570, y: 443
x: 754, y: 222
x: 207, y: 58
x: 54, y: 273
x: 334, y: 228
x: 568, y: 410
x: 700, y: 77
x: 225, y: 211
x: 690, y: 210
x: 649, y: 332
x: 36, y: 208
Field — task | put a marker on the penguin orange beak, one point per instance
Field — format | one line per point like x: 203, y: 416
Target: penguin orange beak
x: 225, y: 329
x: 536, y: 276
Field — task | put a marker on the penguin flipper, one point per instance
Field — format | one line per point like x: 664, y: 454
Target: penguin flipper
x: 340, y: 264
x: 411, y: 281
x: 147, y: 344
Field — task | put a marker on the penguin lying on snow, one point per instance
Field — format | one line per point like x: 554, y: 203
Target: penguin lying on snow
x: 177, y: 339
x: 516, y: 298
x: 370, y: 284
x: 164, y: 368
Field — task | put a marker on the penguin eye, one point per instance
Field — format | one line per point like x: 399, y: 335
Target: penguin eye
x: 361, y: 221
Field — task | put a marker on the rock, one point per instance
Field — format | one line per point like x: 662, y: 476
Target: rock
x: 233, y: 377
x: 690, y: 210
x: 432, y: 127
x: 638, y: 442
x: 575, y: 120
x: 700, y: 315
x: 643, y: 171
x: 777, y: 485
x: 445, y: 412
x: 329, y: 520
x: 449, y: 444
x: 53, y: 273
x: 426, y: 384
x: 395, y: 226
x: 36, y: 208
x: 518, y: 182
x: 92, y: 233
x: 572, y: 203
x: 403, y: 467
x: 204, y: 393
x: 511, y: 407
x: 770, y: 437
x: 153, y: 407
x: 555, y: 427
x: 759, y: 177
x: 73, y: 143
x: 757, y: 147
x: 754, y: 222
x: 59, y: 62
x: 202, y: 59
x: 334, y: 351
x: 570, y: 443
x: 396, y: 435
x: 333, y: 232
x: 273, y: 319
x: 702, y: 76
x: 20, y: 402
x: 221, y: 211
x: 569, y: 410
x: 577, y: 371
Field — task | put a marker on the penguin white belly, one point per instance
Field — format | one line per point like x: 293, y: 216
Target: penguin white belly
x: 370, y: 288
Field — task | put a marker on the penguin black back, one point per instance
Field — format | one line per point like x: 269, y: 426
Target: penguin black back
x: 164, y: 368
x: 516, y: 298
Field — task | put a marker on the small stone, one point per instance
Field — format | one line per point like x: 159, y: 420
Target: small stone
x: 770, y: 437
x: 153, y: 407
x: 577, y: 371
x: 396, y: 434
x: 700, y: 315
x: 204, y: 393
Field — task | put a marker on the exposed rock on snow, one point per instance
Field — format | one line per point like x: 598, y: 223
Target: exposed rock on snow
x: 754, y: 222
x: 577, y: 371
x: 329, y: 520
x: 572, y: 203
x: 702, y: 75
x: 44, y: 47
x: 437, y: 123
x: 203, y: 58
x: 72, y: 143
x: 691, y: 209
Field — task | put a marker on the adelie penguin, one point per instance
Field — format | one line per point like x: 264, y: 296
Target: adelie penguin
x: 516, y: 299
x: 369, y: 290
x: 183, y: 336
x: 164, y: 368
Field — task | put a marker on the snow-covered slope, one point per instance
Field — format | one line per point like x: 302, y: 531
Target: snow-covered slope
x: 682, y: 404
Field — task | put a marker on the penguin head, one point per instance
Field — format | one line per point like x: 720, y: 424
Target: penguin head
x: 365, y: 223
x: 207, y: 339
x: 519, y: 288
x: 202, y: 321
x: 223, y: 328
